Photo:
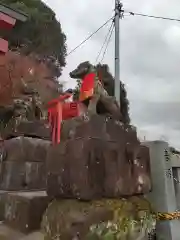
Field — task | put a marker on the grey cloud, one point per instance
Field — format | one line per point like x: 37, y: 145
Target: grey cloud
x: 148, y: 113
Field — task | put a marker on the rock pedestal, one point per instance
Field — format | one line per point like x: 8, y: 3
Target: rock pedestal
x: 98, y: 158
x: 93, y: 174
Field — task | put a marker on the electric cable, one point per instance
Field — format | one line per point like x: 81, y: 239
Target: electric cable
x: 91, y: 35
x: 151, y: 16
x: 108, y: 41
x: 105, y: 40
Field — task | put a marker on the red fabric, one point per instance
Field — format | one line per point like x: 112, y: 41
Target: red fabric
x: 87, y: 86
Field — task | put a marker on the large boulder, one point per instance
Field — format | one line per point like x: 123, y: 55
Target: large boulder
x: 99, y: 158
x: 125, y: 219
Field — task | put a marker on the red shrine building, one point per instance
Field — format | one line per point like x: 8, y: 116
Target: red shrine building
x: 8, y: 19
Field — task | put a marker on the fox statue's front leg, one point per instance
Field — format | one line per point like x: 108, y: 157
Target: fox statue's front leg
x: 92, y: 107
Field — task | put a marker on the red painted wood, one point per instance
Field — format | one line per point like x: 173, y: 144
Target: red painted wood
x: 59, y: 110
x: 3, y: 46
x: 70, y: 110
x: 6, y: 21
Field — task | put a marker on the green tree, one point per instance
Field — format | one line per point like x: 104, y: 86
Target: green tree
x: 108, y: 82
x: 41, y: 34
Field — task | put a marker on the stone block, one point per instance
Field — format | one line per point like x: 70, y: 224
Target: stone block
x: 98, y: 126
x: 22, y: 176
x: 102, y: 158
x: 7, y: 233
x: 74, y: 170
x: 34, y: 129
x: 2, y: 206
x: 23, y: 211
x: 25, y: 149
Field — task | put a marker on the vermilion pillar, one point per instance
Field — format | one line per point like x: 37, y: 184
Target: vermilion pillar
x: 59, y: 110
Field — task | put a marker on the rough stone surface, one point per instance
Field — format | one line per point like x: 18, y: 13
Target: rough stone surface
x: 2, y: 206
x: 127, y: 219
x: 35, y: 129
x: 33, y: 236
x: 17, y: 176
x: 73, y: 172
x: 23, y: 210
x: 7, y: 233
x: 98, y: 126
x: 102, y: 158
x: 23, y: 163
x: 25, y: 149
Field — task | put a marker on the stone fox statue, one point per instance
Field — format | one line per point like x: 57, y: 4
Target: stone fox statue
x: 92, y: 92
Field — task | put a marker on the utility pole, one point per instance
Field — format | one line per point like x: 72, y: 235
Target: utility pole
x: 118, y: 15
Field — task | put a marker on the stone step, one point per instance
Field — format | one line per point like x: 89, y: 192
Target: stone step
x: 23, y: 211
x: 33, y: 236
x: 7, y: 233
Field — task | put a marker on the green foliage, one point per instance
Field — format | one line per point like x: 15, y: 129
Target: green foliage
x: 41, y: 34
x: 131, y: 229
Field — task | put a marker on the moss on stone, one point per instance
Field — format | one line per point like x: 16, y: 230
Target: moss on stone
x: 103, y: 220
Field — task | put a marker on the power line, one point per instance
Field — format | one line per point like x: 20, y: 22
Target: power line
x: 105, y: 40
x: 91, y: 35
x: 152, y: 16
x: 122, y: 11
x: 108, y: 41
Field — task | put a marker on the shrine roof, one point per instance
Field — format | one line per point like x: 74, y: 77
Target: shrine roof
x: 16, y: 14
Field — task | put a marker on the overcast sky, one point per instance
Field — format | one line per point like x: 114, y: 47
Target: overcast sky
x: 149, y: 54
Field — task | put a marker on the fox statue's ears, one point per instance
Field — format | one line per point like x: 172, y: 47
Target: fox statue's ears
x: 99, y: 74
